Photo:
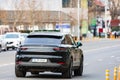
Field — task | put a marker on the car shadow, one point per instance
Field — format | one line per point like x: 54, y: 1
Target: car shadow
x: 46, y: 75
x: 51, y: 76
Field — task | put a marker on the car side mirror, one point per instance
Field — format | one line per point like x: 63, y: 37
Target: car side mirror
x: 79, y: 44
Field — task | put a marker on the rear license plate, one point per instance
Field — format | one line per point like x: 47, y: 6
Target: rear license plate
x: 39, y: 60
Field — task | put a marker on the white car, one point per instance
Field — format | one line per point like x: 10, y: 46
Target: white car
x: 3, y: 45
x: 23, y: 35
x: 13, y: 40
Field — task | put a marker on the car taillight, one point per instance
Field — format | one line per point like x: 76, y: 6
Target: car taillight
x: 61, y: 62
x: 23, y: 48
x: 18, y: 62
x: 59, y: 49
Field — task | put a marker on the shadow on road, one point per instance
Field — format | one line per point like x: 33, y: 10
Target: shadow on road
x: 55, y: 76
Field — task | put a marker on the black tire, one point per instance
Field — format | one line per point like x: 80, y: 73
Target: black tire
x: 79, y: 71
x: 7, y: 48
x: 19, y: 73
x: 35, y: 73
x: 13, y: 48
x: 68, y: 73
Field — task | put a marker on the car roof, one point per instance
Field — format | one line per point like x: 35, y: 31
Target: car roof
x: 13, y: 33
x: 24, y: 33
x: 48, y: 33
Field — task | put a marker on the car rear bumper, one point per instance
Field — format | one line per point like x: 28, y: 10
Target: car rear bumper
x: 41, y: 67
x: 39, y: 64
x: 43, y: 61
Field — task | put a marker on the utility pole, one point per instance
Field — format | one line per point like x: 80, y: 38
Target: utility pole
x: 33, y: 15
x: 106, y: 27
x: 60, y: 22
x: 78, y: 12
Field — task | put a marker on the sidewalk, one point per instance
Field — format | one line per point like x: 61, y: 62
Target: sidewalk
x: 97, y: 38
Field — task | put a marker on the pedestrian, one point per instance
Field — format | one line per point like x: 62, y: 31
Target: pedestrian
x: 115, y: 34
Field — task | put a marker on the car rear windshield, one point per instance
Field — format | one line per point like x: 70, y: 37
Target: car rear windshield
x: 43, y: 39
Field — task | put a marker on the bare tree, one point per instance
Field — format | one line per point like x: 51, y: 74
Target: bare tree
x: 39, y: 16
x: 3, y: 16
x: 18, y: 13
x: 28, y: 10
x: 3, y: 20
x: 34, y: 8
x: 114, y: 8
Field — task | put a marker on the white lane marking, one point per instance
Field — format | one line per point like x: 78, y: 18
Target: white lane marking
x: 118, y: 58
x: 112, y: 56
x: 100, y: 60
x: 3, y: 65
x: 102, y: 48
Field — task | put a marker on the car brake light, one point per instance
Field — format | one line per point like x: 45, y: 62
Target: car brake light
x: 61, y: 62
x: 59, y: 49
x: 23, y: 48
x: 18, y: 62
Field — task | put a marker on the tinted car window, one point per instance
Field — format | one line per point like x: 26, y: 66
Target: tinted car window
x: 43, y: 39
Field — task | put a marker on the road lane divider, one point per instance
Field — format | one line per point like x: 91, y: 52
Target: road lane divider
x: 3, y: 65
x: 107, y: 75
x: 115, y: 73
x: 119, y: 73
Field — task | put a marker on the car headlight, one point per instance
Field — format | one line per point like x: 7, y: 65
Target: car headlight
x: 9, y: 42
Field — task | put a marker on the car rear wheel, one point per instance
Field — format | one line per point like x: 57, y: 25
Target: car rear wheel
x: 79, y: 71
x: 68, y: 73
x: 19, y: 73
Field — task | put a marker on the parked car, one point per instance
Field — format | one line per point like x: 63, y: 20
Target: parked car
x: 0, y: 44
x: 118, y: 33
x: 3, y: 45
x: 23, y: 35
x: 49, y: 51
x: 12, y: 39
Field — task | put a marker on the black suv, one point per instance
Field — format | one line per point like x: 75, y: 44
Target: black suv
x: 49, y: 51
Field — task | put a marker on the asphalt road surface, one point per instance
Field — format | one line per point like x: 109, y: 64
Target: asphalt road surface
x: 99, y: 55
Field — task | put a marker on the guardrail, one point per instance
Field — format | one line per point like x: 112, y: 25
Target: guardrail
x: 116, y: 75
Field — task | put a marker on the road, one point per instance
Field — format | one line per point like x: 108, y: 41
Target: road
x: 99, y: 55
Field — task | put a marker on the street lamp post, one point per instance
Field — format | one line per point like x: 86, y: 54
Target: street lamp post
x: 78, y: 20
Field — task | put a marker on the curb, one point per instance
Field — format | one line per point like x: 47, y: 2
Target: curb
x: 97, y: 39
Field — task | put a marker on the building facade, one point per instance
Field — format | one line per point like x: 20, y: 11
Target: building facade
x: 49, y: 15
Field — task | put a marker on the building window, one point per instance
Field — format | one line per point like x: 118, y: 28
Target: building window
x: 69, y: 3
